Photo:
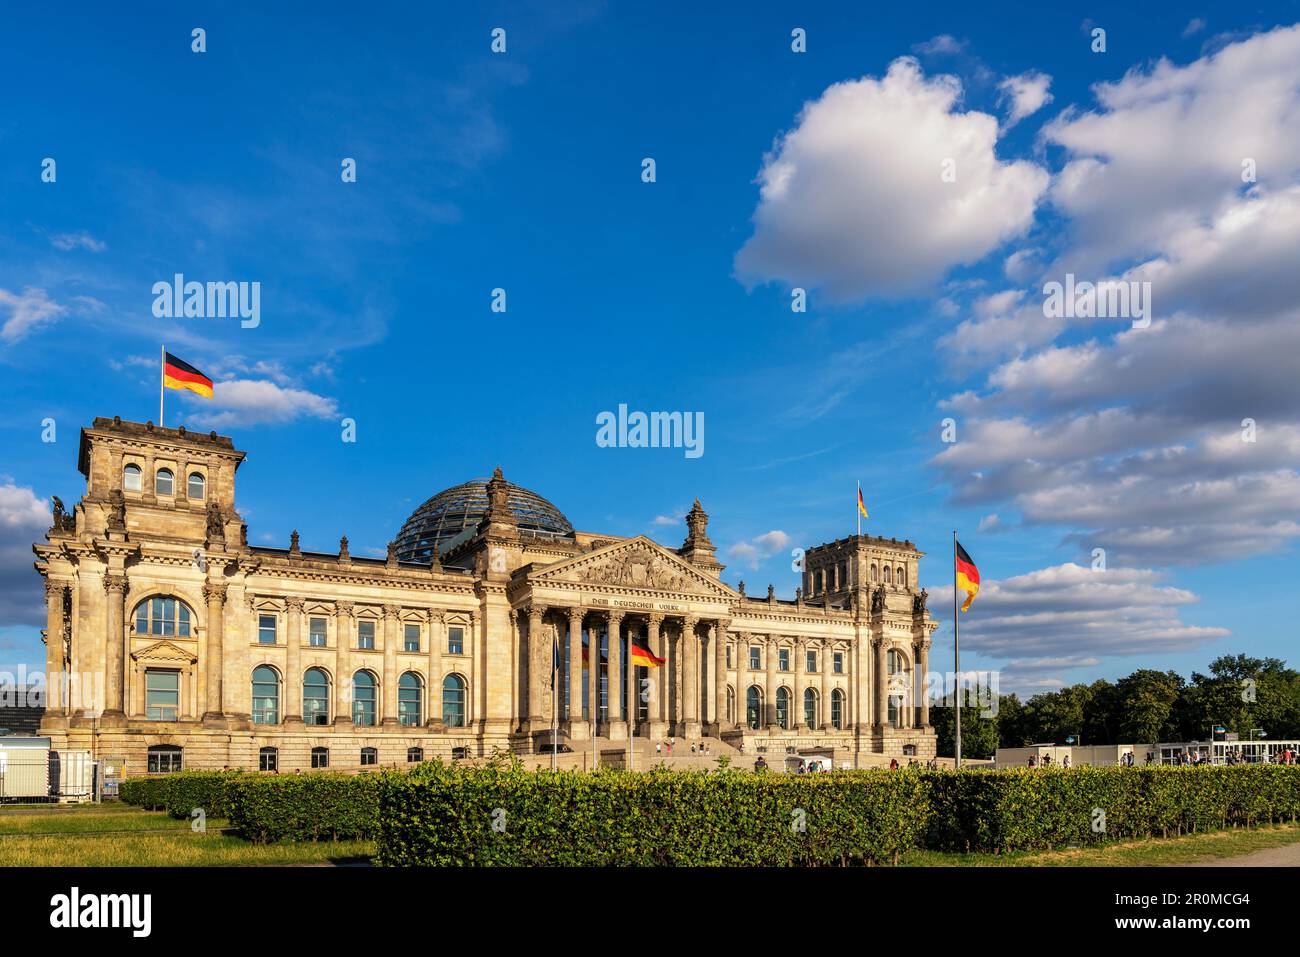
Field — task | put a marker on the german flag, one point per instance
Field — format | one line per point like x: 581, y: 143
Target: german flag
x: 862, y: 506
x: 179, y: 374
x: 968, y: 576
x: 604, y: 660
x: 643, y: 656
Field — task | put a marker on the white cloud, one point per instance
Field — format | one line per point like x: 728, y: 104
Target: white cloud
x: 1024, y: 95
x: 248, y: 402
x: 755, y: 551
x: 27, y: 311
x: 1077, y: 614
x: 852, y: 199
x: 1194, y: 26
x: 82, y: 240
x: 943, y: 44
x: 24, y: 519
x: 991, y: 523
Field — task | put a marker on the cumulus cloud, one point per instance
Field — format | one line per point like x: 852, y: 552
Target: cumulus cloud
x: 852, y: 199
x: 27, y: 310
x: 248, y: 402
x: 1024, y: 95
x: 760, y: 548
x: 1068, y: 613
x: 24, y: 519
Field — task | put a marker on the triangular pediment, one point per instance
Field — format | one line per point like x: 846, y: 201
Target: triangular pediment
x: 164, y: 651
x: 637, y: 563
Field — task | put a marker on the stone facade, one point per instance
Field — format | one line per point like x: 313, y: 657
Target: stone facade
x: 167, y: 630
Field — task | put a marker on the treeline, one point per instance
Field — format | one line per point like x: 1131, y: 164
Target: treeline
x: 1240, y: 693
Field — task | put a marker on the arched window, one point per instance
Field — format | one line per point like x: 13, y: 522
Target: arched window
x: 887, y: 575
x: 810, y: 708
x: 131, y: 477
x: 754, y: 707
x: 901, y: 577
x: 783, y: 707
x: 369, y: 756
x: 164, y: 482
x: 165, y: 758
x: 414, y: 755
x: 837, y: 709
x: 453, y: 701
x: 408, y: 698
x: 364, y: 695
x: 896, y: 664
x: 320, y: 757
x: 875, y: 573
x: 195, y: 487
x: 731, y: 704
x: 315, y: 697
x: 266, y: 695
x: 164, y: 616
x: 268, y: 759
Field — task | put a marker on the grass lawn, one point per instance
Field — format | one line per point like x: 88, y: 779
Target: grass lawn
x: 1158, y: 852
x: 77, y: 837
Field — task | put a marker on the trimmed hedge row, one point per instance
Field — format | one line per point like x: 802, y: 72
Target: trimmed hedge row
x: 437, y: 815
x: 304, y: 807
x: 182, y: 792
x: 1026, y: 809
x: 443, y: 816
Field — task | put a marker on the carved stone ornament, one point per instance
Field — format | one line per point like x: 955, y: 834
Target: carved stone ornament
x: 214, y: 590
x: 636, y: 568
x: 115, y: 583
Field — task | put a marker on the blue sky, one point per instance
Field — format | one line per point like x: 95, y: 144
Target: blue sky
x: 775, y: 169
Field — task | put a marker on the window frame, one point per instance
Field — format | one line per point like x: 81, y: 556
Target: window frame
x: 362, y: 637
x: 272, y: 765
x: 149, y: 707
x: 174, y: 755
x: 171, y: 482
x: 132, y: 477
x: 255, y: 712
x: 320, y: 757
x: 456, y: 647
x: 262, y: 618
x: 406, y: 637
x: 203, y: 486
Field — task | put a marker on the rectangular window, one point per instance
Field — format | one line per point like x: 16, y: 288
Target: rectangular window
x: 839, y: 662
x: 755, y: 658
x: 365, y: 634
x: 162, y: 694
x: 320, y: 757
x: 783, y: 659
x: 812, y: 662
x: 455, y: 640
x: 266, y: 629
x: 268, y: 759
x: 316, y: 633
x: 728, y: 656
x: 412, y: 638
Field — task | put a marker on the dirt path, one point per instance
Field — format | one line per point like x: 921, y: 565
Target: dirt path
x: 1286, y: 856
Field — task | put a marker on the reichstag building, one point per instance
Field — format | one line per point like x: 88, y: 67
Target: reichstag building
x: 172, y: 642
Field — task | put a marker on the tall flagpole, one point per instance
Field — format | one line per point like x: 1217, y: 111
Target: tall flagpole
x: 555, y: 698
x: 162, y: 381
x: 857, y: 507
x: 956, y: 659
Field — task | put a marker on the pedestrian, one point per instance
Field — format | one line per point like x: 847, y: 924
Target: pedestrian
x: 659, y: 747
x: 893, y: 764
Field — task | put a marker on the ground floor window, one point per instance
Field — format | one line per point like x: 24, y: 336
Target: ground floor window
x: 164, y: 759
x: 320, y: 757
x: 414, y: 755
x: 369, y: 756
x: 268, y: 759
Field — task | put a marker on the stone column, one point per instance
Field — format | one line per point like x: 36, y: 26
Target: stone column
x: 392, y: 619
x: 718, y: 635
x: 742, y: 680
x: 633, y: 689
x: 690, y: 678
x: 55, y: 677
x: 593, y: 675
x: 292, y: 707
x: 769, y: 690
x: 827, y: 662
x: 921, y: 685
x: 617, y: 721
x: 537, y: 672
x: 577, y: 727
x: 882, y: 710
x: 343, y: 634
x: 797, y: 720
x: 657, y: 642
x: 437, y: 641
x: 215, y: 595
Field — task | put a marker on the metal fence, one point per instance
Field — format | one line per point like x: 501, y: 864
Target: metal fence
x: 37, y: 776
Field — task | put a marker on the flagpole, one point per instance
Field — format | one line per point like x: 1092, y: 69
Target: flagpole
x: 162, y: 381
x: 956, y: 659
x: 858, y: 509
x: 555, y: 699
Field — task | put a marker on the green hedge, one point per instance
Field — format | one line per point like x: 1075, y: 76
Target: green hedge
x: 148, y: 793
x: 1026, y: 809
x: 304, y: 807
x: 438, y: 815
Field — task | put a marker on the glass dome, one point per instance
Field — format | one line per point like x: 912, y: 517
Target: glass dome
x: 451, y: 517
